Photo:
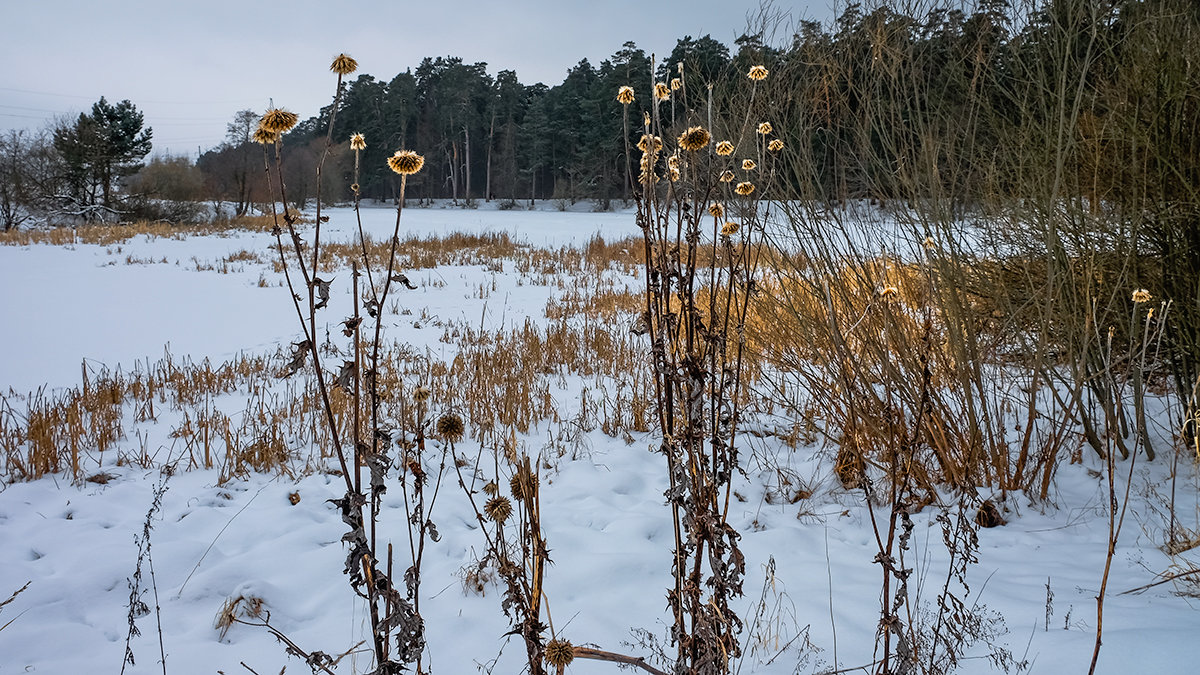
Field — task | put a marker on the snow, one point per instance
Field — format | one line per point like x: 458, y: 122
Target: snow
x: 606, y: 524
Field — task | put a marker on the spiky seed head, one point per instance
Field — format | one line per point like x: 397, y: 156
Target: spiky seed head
x: 264, y: 137
x: 929, y: 243
x: 625, y: 95
x: 888, y: 292
x: 1141, y: 295
x: 775, y: 145
x: 673, y: 162
x: 357, y: 142
x: 498, y: 509
x: 278, y: 120
x: 648, y: 141
x: 729, y: 229
x: 406, y: 162
x: 716, y: 210
x: 676, y: 83
x: 421, y: 394
x: 726, y: 176
x: 490, y: 488
x: 344, y: 65
x: 661, y: 91
x: 523, y: 483
x: 694, y: 138
x: 757, y: 73
x: 724, y: 148
x: 450, y: 426
x: 765, y: 128
x: 744, y: 189
x: 748, y: 165
x: 354, y: 188
x: 673, y: 173
x: 559, y: 653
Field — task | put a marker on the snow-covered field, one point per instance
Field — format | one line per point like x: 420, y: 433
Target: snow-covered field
x: 85, y: 307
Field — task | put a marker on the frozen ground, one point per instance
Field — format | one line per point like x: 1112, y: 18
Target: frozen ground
x: 607, y: 527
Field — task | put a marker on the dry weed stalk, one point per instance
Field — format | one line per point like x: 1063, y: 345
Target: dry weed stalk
x: 700, y: 246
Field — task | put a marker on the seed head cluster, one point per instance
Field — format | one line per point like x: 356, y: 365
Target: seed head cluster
x: 406, y: 162
x: 694, y: 138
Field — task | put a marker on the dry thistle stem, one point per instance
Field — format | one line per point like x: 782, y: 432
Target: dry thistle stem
x: 625, y: 95
x: 406, y: 162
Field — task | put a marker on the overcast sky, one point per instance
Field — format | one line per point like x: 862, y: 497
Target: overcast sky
x: 189, y: 65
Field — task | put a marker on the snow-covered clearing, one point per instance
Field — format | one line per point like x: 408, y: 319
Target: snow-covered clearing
x: 84, y: 307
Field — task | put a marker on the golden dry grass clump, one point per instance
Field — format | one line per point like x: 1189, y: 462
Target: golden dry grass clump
x: 625, y: 95
x: 278, y: 121
x: 344, y: 65
x: 757, y: 73
x: 406, y: 162
x: 694, y: 138
x: 357, y: 142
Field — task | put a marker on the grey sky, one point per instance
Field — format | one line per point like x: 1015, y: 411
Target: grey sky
x: 190, y: 65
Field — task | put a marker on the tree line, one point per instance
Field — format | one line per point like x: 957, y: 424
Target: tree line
x: 871, y: 103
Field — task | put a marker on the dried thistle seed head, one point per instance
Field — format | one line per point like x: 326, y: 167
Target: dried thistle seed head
x: 559, y: 653
x: 765, y: 128
x: 357, y: 142
x: 648, y: 141
x: 724, y: 148
x: 775, y: 145
x: 498, y: 509
x: 523, y: 483
x: 673, y: 173
x: 278, y: 121
x: 929, y: 244
x: 344, y: 65
x: 716, y: 210
x: 726, y: 176
x: 661, y: 91
x: 729, y: 229
x: 647, y: 177
x: 1141, y: 295
x: 294, y: 498
x: 676, y: 83
x: 673, y: 162
x: 757, y: 73
x: 694, y: 138
x: 490, y: 488
x: 625, y: 95
x: 406, y: 162
x: 744, y: 189
x: 888, y: 292
x: 748, y: 165
x: 264, y: 137
x: 421, y: 394
x: 450, y: 427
